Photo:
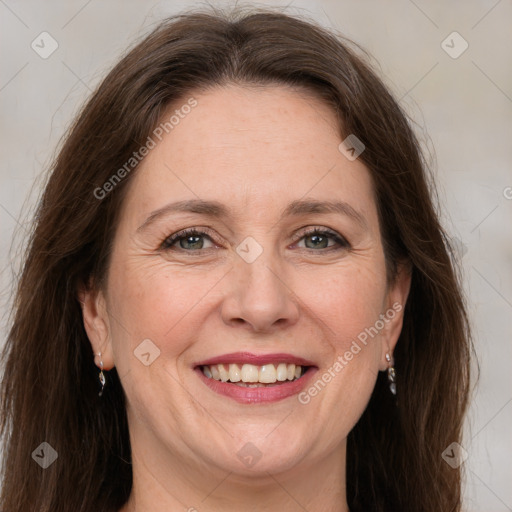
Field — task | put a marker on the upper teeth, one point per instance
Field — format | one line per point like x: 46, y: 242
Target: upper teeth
x: 265, y: 374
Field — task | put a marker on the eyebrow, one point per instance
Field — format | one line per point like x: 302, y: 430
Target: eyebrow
x: 216, y: 209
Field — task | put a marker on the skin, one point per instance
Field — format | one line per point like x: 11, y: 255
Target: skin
x: 255, y: 150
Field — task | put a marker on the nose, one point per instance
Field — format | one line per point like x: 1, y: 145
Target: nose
x: 259, y: 297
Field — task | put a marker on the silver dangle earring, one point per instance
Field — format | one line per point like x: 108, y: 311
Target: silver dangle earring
x: 391, y: 375
x: 102, y: 376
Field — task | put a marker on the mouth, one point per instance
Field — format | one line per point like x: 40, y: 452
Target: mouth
x: 252, y: 376
x: 240, y: 377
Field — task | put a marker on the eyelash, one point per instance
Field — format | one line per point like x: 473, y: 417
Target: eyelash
x: 171, y: 240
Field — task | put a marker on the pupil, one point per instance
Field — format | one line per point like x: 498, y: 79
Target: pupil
x: 317, y: 238
x: 190, y: 239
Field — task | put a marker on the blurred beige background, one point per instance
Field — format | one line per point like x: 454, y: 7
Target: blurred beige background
x: 460, y: 98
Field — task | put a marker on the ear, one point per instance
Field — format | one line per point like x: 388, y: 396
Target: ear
x: 96, y: 323
x: 393, y: 314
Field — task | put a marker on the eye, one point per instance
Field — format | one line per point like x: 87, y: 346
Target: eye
x: 193, y: 240
x: 319, y: 239
x: 189, y: 240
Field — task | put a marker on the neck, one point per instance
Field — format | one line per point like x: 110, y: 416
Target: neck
x: 163, y: 482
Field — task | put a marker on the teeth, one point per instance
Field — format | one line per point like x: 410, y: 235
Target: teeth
x: 282, y: 372
x: 224, y: 374
x: 268, y: 374
x: 250, y: 373
x: 254, y: 375
x: 215, y: 371
x: 234, y: 373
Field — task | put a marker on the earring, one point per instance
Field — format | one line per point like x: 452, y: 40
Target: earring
x: 391, y: 375
x: 102, y: 376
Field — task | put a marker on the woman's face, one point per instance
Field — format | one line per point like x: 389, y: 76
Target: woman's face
x: 254, y: 281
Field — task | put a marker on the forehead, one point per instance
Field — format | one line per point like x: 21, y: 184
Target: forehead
x: 252, y: 148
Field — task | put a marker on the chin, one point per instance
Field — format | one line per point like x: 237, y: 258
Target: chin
x: 265, y: 451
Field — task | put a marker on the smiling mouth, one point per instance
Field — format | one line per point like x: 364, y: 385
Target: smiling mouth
x: 253, y: 376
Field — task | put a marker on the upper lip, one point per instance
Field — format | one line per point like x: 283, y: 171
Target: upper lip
x: 256, y: 359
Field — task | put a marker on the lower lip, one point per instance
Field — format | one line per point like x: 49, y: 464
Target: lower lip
x: 258, y: 395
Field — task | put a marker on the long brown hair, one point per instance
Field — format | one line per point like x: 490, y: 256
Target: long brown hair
x: 50, y: 382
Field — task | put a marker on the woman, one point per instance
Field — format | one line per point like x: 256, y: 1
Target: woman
x: 237, y: 295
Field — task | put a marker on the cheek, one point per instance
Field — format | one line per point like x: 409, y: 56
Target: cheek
x: 348, y: 301
x: 346, y: 307
x: 159, y: 303
x: 166, y: 306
